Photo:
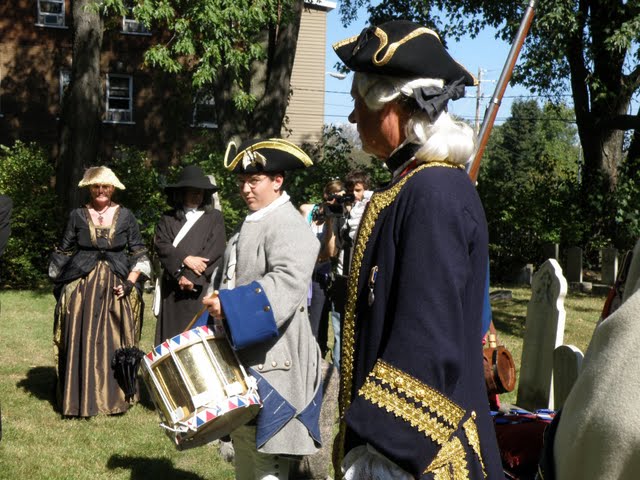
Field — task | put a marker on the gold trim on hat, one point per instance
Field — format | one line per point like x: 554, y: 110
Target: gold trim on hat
x: 274, y: 143
x: 381, y: 34
x: 344, y: 42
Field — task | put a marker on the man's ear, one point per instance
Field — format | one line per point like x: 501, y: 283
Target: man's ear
x: 277, y: 182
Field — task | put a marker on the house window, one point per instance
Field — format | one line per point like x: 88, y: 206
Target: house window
x: 65, y: 79
x: 130, y: 24
x: 204, y: 111
x: 119, y: 99
x: 51, y: 13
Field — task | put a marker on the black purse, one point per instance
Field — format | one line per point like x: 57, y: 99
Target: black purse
x: 57, y: 261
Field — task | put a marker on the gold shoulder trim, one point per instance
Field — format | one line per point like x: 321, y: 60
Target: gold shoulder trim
x: 394, y: 46
x: 407, y: 398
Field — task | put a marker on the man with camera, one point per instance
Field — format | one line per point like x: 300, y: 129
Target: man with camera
x: 324, y: 219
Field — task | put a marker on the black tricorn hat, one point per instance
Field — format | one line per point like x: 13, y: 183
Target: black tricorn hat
x: 401, y: 48
x: 192, y: 176
x: 265, y: 156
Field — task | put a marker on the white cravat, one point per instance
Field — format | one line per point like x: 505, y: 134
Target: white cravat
x: 190, y: 212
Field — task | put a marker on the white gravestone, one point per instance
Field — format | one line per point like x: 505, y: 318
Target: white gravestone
x: 567, y: 362
x: 544, y: 332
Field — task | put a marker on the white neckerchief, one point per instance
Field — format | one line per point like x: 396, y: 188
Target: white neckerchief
x: 259, y: 214
x: 229, y: 275
x: 190, y: 212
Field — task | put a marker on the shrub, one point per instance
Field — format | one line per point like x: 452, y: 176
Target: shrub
x: 25, y: 176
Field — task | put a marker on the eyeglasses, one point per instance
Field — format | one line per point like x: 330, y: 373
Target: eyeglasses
x: 253, y: 182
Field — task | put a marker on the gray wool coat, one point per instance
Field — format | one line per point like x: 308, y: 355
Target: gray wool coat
x: 279, y: 252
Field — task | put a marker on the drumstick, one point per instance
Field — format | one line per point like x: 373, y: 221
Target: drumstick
x: 197, y: 315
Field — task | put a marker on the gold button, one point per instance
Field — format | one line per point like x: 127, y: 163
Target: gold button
x: 258, y: 290
x: 267, y: 308
x: 274, y: 364
x: 260, y: 367
x: 287, y: 363
x: 302, y: 309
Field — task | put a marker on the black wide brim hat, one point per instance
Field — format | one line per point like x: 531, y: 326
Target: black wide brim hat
x: 401, y: 48
x: 192, y: 176
x: 265, y: 156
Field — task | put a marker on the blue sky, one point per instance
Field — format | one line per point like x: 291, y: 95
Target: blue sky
x: 484, y: 52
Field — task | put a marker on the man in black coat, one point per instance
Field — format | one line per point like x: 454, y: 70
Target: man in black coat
x: 413, y: 402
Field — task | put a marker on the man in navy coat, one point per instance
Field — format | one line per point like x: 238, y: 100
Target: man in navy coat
x: 413, y: 402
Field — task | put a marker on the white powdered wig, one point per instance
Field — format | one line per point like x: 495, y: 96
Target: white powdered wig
x: 444, y: 140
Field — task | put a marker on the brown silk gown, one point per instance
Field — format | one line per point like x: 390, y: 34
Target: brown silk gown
x: 91, y: 323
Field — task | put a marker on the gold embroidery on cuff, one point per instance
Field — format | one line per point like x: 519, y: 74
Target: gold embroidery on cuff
x: 434, y: 429
x: 471, y: 432
x: 450, y: 463
x: 419, y: 392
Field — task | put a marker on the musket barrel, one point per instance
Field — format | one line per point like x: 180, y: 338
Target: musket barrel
x: 501, y: 86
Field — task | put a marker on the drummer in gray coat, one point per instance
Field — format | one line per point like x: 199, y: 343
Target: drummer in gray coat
x: 262, y: 301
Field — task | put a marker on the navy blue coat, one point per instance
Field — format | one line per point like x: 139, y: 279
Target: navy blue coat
x: 412, y: 372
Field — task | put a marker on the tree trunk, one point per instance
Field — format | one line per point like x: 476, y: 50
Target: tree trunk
x: 82, y: 107
x: 269, y: 115
x: 269, y: 81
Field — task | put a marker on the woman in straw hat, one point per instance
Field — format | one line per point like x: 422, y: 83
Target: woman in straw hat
x: 190, y: 241
x: 99, y: 306
x: 263, y: 300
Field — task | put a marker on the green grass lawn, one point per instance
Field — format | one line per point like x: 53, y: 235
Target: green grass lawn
x: 38, y: 444
x: 509, y: 316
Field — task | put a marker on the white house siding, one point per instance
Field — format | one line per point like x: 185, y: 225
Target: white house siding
x: 306, y: 105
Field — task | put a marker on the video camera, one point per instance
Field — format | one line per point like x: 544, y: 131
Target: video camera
x: 337, y: 209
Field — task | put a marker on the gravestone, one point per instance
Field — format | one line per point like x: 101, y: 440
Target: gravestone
x: 544, y: 331
x: 574, y: 265
x: 609, y: 269
x: 525, y: 275
x: 567, y: 362
x: 551, y: 250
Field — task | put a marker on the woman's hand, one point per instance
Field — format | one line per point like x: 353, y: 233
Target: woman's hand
x: 185, y: 284
x: 124, y: 289
x: 197, y: 264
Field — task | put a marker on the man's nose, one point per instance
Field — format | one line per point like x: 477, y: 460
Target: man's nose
x: 352, y: 117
